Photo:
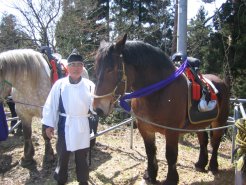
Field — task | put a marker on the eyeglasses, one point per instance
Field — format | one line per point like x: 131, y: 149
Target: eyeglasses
x: 76, y: 64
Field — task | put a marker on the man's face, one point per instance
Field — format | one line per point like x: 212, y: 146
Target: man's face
x: 75, y: 69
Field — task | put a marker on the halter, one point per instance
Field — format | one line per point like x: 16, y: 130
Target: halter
x: 122, y: 78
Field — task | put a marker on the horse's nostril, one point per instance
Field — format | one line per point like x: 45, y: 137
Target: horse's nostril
x: 99, y: 112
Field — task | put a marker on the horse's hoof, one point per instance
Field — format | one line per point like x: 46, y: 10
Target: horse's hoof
x: 145, y: 182
x: 169, y: 183
x: 199, y: 168
x: 148, y: 178
x: 213, y: 171
x: 49, y: 159
x: 27, y: 163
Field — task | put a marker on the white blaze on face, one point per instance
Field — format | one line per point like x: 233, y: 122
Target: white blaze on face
x: 104, y: 104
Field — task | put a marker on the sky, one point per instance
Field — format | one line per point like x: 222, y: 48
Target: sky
x: 192, y: 7
x: 4, y: 6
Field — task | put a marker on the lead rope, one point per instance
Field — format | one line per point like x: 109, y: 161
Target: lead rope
x: 177, y: 129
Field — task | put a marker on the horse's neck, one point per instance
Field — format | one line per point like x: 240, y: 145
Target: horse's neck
x: 31, y: 90
x: 138, y: 78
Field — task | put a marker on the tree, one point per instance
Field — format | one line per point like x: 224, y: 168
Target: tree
x: 231, y: 25
x: 198, y: 34
x: 10, y: 36
x: 40, y: 20
x: 150, y: 21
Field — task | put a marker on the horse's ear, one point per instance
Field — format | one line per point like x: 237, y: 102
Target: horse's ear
x: 121, y: 43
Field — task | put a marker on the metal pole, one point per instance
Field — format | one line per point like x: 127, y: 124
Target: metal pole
x: 131, y: 139
x: 182, y: 27
x: 111, y: 128
x: 234, y: 130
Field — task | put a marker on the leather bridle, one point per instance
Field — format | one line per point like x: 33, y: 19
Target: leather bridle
x: 122, y: 78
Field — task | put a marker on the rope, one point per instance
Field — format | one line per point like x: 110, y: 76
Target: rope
x: 178, y: 129
x: 18, y: 102
x: 241, y: 134
x: 241, y: 143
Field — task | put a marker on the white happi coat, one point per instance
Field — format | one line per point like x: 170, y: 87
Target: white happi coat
x: 77, y: 99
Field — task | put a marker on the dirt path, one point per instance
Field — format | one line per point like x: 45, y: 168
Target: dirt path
x: 113, y: 162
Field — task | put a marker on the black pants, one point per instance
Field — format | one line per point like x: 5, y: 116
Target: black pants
x: 82, y: 168
x: 11, y: 106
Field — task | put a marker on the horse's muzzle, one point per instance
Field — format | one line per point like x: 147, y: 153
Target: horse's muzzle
x: 99, y: 112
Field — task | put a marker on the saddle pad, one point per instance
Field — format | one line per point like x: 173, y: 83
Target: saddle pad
x: 195, y: 116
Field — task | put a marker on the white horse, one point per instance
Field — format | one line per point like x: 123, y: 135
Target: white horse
x: 28, y: 73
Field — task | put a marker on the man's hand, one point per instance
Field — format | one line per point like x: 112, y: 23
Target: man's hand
x: 49, y: 132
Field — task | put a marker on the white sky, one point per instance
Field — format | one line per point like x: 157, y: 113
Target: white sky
x: 192, y: 7
x: 4, y: 6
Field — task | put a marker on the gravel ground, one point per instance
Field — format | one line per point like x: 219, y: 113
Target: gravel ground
x: 113, y: 162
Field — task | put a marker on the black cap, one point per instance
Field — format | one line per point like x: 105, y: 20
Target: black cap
x: 75, y: 56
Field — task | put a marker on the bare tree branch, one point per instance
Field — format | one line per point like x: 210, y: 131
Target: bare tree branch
x: 40, y: 18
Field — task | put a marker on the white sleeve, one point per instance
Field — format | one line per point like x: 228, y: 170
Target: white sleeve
x: 50, y: 114
x: 92, y: 87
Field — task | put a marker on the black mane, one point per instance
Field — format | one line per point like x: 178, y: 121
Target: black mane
x: 139, y: 53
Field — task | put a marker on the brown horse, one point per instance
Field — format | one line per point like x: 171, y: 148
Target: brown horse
x: 135, y: 65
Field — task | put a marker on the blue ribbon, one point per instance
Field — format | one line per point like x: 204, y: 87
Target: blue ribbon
x: 152, y: 88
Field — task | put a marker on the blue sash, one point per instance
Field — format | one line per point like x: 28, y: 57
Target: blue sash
x: 4, y: 131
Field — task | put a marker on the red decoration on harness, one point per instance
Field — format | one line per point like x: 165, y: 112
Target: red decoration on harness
x: 54, y: 71
x: 64, y: 70
x: 195, y: 87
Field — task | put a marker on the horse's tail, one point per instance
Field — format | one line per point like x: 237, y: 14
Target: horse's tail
x: 228, y: 81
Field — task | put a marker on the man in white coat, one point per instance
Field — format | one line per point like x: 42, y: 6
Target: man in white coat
x: 66, y: 110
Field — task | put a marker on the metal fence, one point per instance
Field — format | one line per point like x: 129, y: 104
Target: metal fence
x: 238, y: 112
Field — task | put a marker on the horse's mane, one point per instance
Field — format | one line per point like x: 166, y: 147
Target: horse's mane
x: 137, y: 53
x: 21, y: 62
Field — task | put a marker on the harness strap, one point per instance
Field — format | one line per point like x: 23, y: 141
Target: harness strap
x: 152, y: 88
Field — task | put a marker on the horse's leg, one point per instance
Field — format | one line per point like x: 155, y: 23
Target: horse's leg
x: 49, y: 152
x: 215, y: 143
x: 27, y: 159
x: 152, y: 166
x: 203, y: 156
x: 171, y: 156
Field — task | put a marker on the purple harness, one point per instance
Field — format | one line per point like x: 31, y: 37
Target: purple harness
x: 152, y: 88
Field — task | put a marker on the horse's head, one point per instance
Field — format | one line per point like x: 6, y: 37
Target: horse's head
x: 110, y: 73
